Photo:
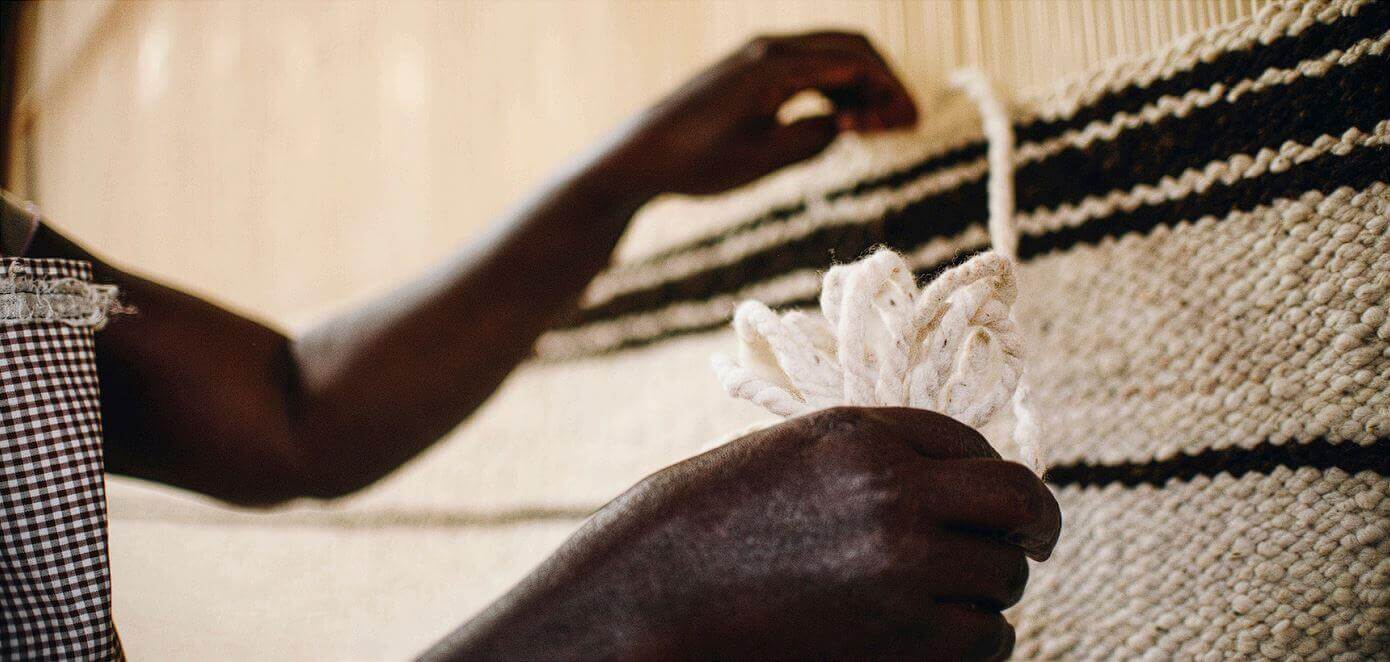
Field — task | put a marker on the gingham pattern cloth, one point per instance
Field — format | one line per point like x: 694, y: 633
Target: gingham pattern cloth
x: 55, y: 579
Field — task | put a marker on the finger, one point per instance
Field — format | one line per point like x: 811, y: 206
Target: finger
x: 952, y: 632
x: 869, y: 108
x: 932, y: 435
x: 994, y: 497
x: 970, y: 634
x: 902, y: 439
x: 865, y: 93
x: 842, y: 42
x: 800, y: 140
x: 950, y: 567
x: 983, y: 573
x: 847, y: 70
x: 883, y: 92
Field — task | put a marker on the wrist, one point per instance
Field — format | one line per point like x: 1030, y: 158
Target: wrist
x: 592, y: 599
x: 630, y: 161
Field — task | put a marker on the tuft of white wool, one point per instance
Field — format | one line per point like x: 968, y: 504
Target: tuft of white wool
x: 879, y: 340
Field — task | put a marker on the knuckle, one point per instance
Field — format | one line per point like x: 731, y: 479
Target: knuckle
x: 859, y: 38
x: 888, y: 505
x: 884, y: 538
x: 964, y: 440
x: 948, y: 437
x: 763, y: 47
x: 838, y: 422
x: 842, y: 36
x: 886, y: 553
x: 877, y: 502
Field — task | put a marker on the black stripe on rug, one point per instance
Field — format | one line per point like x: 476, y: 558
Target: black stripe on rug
x: 1357, y: 170
x: 1356, y: 96
x: 891, y: 180
x: 1265, y: 458
x: 951, y: 212
x: 941, y: 215
x: 1325, y: 174
x: 1228, y: 69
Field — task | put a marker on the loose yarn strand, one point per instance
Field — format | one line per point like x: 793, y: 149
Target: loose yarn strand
x: 999, y: 135
x: 1003, y: 233
x: 879, y: 340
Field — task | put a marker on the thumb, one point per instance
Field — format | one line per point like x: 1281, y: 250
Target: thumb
x: 801, y: 140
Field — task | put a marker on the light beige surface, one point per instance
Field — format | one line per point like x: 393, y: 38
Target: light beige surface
x: 290, y: 158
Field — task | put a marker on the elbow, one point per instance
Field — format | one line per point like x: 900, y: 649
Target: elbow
x: 329, y: 487
x: 282, y: 490
x: 326, y: 475
x: 285, y: 487
x: 296, y: 473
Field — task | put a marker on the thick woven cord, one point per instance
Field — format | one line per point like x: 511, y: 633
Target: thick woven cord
x: 879, y: 340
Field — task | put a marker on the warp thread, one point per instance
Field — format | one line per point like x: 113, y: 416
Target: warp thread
x: 880, y: 340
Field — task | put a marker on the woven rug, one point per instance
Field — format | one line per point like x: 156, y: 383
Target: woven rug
x: 1206, y: 262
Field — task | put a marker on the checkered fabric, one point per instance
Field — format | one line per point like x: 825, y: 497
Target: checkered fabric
x: 55, y: 580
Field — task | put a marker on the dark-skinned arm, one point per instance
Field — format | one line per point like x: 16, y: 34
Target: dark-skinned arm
x: 847, y: 534
x: 200, y: 397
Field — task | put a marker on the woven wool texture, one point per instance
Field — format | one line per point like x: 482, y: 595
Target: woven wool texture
x: 1205, y: 294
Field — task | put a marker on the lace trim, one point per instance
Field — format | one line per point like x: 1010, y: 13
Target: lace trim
x: 71, y: 301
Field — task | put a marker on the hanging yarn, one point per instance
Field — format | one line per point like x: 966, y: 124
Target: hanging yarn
x: 880, y: 340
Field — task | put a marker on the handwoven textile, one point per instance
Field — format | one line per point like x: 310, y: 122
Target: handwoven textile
x: 55, y: 583
x: 1206, y: 351
x: 1205, y: 263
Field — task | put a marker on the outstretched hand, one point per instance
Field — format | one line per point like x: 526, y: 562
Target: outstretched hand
x: 721, y: 129
x: 206, y: 399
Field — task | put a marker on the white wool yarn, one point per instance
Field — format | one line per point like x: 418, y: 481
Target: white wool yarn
x: 879, y: 340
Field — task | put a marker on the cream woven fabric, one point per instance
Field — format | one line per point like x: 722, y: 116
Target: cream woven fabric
x: 1205, y: 268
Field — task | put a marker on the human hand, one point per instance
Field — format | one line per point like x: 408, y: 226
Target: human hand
x: 720, y: 129
x: 851, y: 532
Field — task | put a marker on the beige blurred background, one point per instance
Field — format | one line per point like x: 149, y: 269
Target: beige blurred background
x: 289, y: 158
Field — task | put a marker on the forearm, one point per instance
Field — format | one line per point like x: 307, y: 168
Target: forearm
x: 203, y: 398
x: 396, y: 375
x: 602, y: 595
x: 192, y: 395
x: 200, y: 397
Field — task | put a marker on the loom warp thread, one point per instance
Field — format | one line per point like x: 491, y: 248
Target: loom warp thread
x: 880, y: 340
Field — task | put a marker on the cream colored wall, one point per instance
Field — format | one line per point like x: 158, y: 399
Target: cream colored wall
x: 291, y: 157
